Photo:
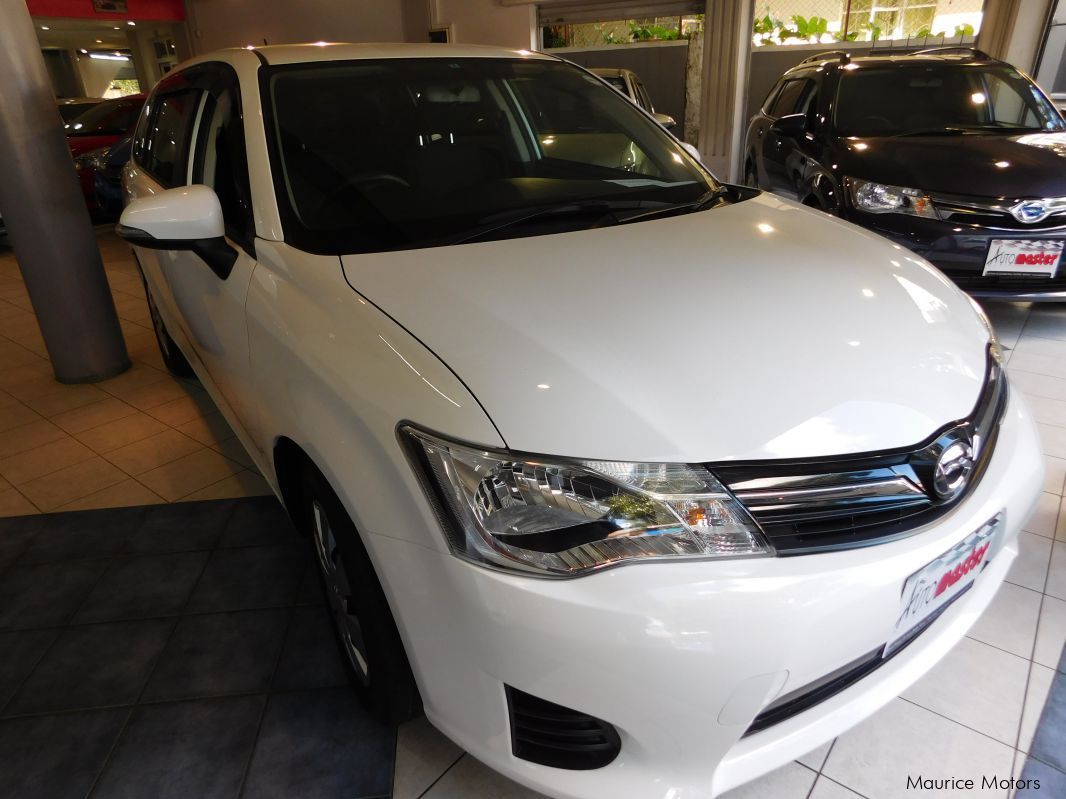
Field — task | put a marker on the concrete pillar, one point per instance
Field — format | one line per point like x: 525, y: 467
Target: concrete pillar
x: 726, y: 54
x: 45, y: 215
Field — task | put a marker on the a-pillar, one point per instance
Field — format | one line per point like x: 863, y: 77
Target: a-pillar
x: 723, y: 98
x: 45, y: 214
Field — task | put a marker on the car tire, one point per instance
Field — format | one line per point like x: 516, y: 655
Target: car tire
x: 366, y: 632
x: 173, y: 358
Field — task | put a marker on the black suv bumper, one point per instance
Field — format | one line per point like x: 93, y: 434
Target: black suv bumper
x: 959, y: 251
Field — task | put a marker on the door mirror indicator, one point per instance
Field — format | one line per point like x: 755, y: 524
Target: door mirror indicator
x: 185, y: 218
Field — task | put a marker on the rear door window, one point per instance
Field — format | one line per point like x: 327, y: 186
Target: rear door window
x: 792, y: 98
x: 164, y: 149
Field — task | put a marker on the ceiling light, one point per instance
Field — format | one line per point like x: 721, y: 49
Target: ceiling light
x: 99, y: 41
x: 130, y: 22
x: 45, y: 28
x: 108, y: 57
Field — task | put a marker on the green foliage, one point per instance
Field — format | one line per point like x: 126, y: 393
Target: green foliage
x: 639, y: 32
x: 965, y: 29
x: 806, y: 28
x: 633, y: 507
x: 873, y: 29
x: 765, y: 25
x: 554, y: 37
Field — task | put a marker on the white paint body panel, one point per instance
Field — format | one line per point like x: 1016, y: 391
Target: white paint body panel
x: 183, y: 214
x: 694, y: 338
x: 698, y: 338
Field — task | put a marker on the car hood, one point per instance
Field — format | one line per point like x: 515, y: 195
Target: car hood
x: 757, y: 330
x: 1029, y: 165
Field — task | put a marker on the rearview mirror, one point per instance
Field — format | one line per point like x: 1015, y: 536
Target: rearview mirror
x: 185, y: 218
x: 791, y: 126
x: 665, y: 120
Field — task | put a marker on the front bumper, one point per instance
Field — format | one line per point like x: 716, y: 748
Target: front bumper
x: 959, y: 251
x: 681, y: 657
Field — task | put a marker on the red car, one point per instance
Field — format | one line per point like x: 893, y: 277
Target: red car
x: 103, y: 124
x: 96, y: 129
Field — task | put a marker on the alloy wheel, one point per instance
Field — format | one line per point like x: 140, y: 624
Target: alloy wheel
x: 338, y: 589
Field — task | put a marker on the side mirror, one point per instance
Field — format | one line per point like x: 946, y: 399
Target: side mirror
x: 185, y: 218
x: 691, y: 150
x: 665, y: 120
x: 791, y: 126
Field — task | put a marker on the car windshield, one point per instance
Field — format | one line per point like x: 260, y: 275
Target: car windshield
x: 109, y: 118
x: 617, y: 82
x: 400, y: 153
x: 923, y: 97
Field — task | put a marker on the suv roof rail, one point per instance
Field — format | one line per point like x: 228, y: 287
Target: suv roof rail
x: 842, y: 55
x: 981, y: 54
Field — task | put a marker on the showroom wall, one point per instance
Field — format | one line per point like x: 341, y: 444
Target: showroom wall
x: 235, y: 23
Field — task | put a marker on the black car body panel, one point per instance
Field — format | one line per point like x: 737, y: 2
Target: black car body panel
x: 974, y: 179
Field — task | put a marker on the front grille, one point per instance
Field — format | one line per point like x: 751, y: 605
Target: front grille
x: 552, y: 735
x: 828, y: 504
x: 968, y: 280
x: 995, y: 213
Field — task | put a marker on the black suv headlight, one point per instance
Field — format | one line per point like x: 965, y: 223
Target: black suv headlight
x: 879, y: 198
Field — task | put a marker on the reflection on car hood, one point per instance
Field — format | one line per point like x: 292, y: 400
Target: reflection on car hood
x: 1028, y: 165
x: 757, y: 330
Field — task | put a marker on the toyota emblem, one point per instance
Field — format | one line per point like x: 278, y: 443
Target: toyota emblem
x: 953, y: 468
x: 1030, y: 212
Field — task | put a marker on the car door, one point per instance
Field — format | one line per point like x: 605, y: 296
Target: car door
x: 778, y: 150
x: 197, y: 137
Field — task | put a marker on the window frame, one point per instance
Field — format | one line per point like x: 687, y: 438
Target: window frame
x: 205, y: 78
x: 217, y: 78
x: 144, y: 132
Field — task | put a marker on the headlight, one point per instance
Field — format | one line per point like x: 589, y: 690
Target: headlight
x: 877, y: 198
x: 560, y: 518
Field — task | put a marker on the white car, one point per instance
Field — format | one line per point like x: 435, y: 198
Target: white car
x: 640, y: 484
x: 627, y: 82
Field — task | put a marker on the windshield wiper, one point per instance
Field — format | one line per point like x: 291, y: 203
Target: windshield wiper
x: 513, y: 218
x: 706, y: 201
x: 933, y: 132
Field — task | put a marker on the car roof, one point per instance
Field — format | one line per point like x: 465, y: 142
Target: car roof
x: 342, y: 51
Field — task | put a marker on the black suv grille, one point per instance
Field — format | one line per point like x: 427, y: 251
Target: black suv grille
x: 553, y: 735
x: 838, y: 503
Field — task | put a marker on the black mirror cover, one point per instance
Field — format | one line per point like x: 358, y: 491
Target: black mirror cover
x: 791, y: 126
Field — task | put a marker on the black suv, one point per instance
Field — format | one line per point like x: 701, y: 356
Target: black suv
x: 949, y: 152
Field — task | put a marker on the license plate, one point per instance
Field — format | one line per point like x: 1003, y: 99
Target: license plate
x: 1023, y: 257
x: 931, y: 589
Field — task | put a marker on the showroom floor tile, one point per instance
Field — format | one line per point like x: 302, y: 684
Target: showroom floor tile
x: 158, y: 649
x: 140, y: 438
x: 175, y: 651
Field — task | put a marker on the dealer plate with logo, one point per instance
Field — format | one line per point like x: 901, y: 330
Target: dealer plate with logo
x: 930, y: 590
x: 1034, y: 257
